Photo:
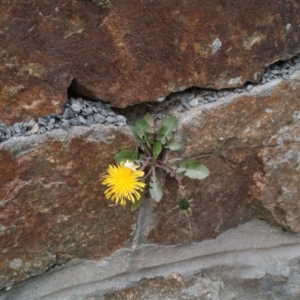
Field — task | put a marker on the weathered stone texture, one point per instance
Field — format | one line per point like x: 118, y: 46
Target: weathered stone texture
x: 135, y: 52
x: 251, y: 146
x: 52, y: 205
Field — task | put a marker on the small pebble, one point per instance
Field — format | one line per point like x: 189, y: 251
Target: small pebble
x: 297, y: 66
x: 35, y: 128
x: 238, y: 90
x: 109, y: 119
x: 180, y: 108
x: 42, y: 130
x: 249, y: 87
x: 87, y: 111
x: 82, y: 120
x: 77, y: 107
x: 75, y: 122
x: 194, y: 102
x: 66, y: 113
x: 186, y: 106
x: 90, y: 120
x: 99, y: 118
x: 65, y: 124
x: 17, y: 128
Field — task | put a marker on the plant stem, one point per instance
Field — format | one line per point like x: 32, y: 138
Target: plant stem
x: 146, y: 162
x: 161, y: 162
x: 150, y: 171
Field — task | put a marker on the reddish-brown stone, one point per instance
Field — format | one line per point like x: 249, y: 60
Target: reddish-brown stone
x: 52, y: 205
x: 135, y: 52
x: 251, y: 146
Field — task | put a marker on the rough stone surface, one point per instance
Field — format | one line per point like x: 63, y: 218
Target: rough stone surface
x: 254, y: 261
x: 128, y: 53
x: 52, y: 205
x: 251, y: 145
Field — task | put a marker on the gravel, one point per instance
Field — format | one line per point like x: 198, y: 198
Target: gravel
x: 81, y: 112
x: 77, y: 112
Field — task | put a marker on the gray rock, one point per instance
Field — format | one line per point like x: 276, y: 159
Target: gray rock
x: 297, y: 66
x: 180, y: 108
x: 82, y: 120
x: 186, y: 106
x: 109, y: 119
x: 65, y: 124
x: 3, y: 128
x: 31, y: 123
x: 75, y: 122
x: 56, y: 116
x: 35, y: 128
x: 42, y: 130
x: 211, y: 99
x: 90, y: 119
x: 76, y: 107
x: 194, y: 102
x: 103, y: 112
x: 238, y: 90
x: 17, y: 128
x: 25, y: 125
x: 99, y: 118
x: 66, y: 113
x: 8, y: 132
x: 249, y: 87
x: 87, y: 111
x: 106, y: 106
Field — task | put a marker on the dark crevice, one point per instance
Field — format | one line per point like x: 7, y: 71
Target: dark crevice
x: 83, y: 108
x: 76, y: 90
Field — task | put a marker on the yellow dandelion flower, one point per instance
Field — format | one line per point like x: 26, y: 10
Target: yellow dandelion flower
x: 123, y: 183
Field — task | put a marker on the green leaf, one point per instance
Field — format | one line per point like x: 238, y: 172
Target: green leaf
x: 171, y: 123
x: 140, y: 160
x: 166, y: 131
x: 155, y: 188
x: 157, y: 147
x: 149, y: 119
x: 141, y: 128
x: 193, y: 169
x: 125, y: 155
x: 173, y: 145
x: 134, y: 206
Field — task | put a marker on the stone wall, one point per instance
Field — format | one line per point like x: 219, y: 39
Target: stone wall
x: 240, y: 119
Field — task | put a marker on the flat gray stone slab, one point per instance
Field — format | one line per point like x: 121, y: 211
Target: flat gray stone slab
x: 250, y: 252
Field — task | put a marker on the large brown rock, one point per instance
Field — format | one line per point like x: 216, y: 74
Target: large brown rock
x: 52, y: 206
x: 251, y: 144
x: 135, y: 52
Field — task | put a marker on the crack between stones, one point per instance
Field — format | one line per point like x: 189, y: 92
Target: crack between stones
x: 82, y: 112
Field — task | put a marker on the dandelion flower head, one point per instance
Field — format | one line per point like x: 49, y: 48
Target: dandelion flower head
x: 123, y: 183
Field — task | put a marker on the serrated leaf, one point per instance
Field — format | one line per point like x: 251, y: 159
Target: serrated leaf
x: 125, y: 155
x: 142, y: 143
x: 165, y: 133
x: 138, y: 139
x: 194, y: 170
x: 141, y: 128
x: 173, y: 145
x: 149, y: 119
x: 157, y: 147
x: 155, y: 188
